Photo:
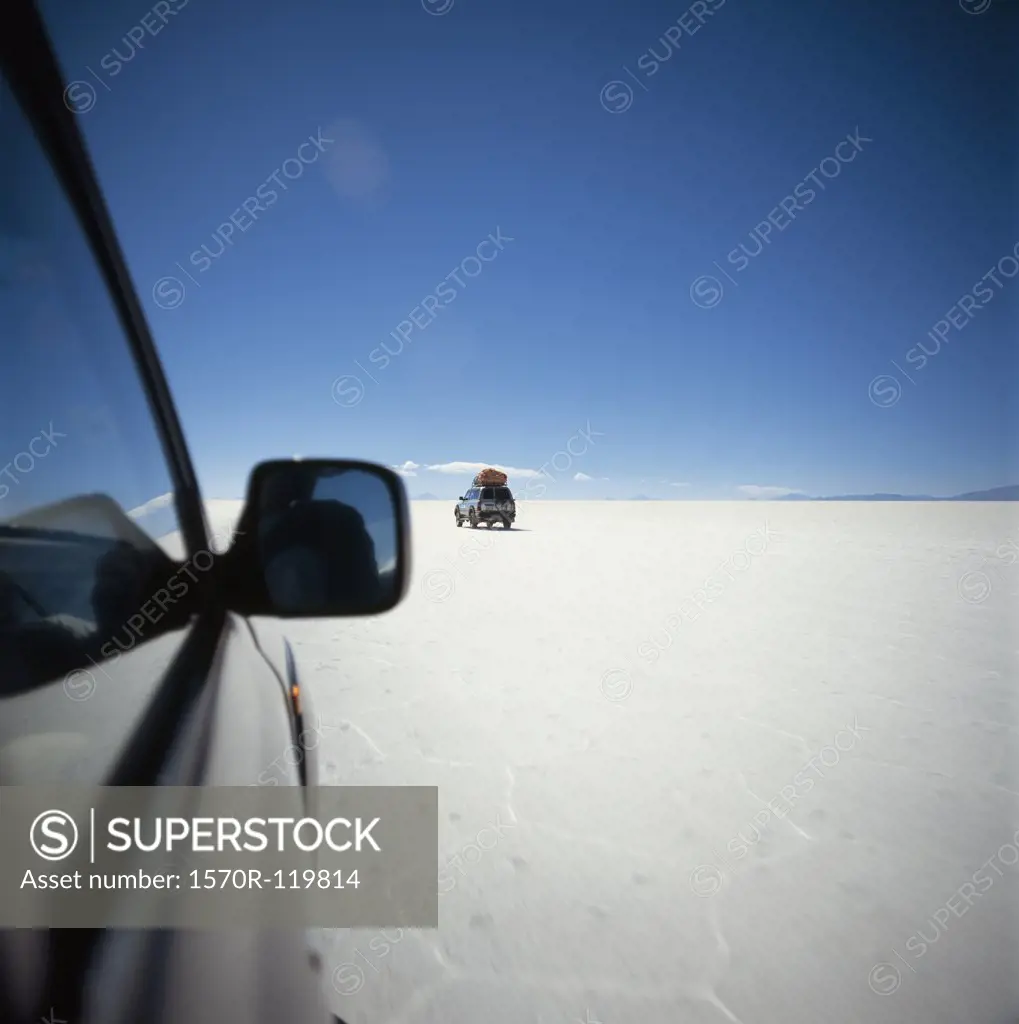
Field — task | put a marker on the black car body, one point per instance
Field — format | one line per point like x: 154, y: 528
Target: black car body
x: 187, y: 691
x: 486, y: 505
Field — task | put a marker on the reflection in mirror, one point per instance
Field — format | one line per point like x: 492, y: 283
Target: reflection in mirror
x: 328, y: 539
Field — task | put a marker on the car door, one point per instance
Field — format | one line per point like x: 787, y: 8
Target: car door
x: 98, y: 499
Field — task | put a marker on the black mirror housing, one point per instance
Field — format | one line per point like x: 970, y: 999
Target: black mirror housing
x: 319, y: 538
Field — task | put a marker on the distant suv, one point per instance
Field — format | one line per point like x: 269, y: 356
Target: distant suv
x: 486, y: 505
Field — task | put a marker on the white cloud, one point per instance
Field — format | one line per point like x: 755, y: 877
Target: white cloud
x: 758, y: 491
x: 470, y: 468
x: 152, y: 505
x: 582, y: 477
x: 679, y: 485
x: 408, y: 468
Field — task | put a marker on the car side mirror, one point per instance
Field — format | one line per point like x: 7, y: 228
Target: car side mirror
x: 319, y: 538
x: 461, y: 498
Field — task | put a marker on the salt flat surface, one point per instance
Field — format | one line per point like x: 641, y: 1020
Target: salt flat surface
x: 609, y: 850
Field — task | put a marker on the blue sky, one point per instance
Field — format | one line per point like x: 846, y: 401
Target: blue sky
x: 608, y: 204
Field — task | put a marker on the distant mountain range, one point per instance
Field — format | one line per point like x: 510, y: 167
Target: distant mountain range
x: 428, y: 496
x: 1008, y: 493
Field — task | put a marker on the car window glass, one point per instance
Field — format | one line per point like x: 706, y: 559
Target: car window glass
x: 487, y: 492
x: 89, y: 609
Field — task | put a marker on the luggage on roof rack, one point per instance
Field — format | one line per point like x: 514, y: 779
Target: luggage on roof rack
x: 490, y: 478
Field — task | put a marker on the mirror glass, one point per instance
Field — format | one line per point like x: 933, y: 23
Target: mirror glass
x: 328, y: 537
